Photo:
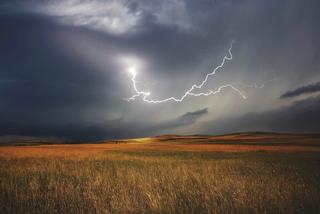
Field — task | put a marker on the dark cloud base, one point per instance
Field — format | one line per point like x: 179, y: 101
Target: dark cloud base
x: 306, y: 89
x: 114, y: 129
x: 301, y: 116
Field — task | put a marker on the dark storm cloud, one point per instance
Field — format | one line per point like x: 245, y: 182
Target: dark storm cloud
x: 306, y: 89
x: 59, y: 74
x: 45, y: 79
x: 123, y: 129
x: 300, y: 116
x: 113, y: 129
x: 185, y: 119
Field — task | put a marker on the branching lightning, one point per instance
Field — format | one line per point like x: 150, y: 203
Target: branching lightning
x: 189, y: 92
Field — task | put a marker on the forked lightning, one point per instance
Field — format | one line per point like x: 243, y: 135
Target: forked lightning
x: 189, y: 92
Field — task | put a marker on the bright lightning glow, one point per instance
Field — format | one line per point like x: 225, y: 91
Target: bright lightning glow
x: 189, y: 92
x: 132, y: 71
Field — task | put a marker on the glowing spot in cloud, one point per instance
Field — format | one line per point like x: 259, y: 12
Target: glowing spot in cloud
x: 132, y: 71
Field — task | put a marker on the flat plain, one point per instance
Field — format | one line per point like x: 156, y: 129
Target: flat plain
x: 236, y: 173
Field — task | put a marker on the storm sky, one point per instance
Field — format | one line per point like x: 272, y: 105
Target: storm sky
x: 64, y: 67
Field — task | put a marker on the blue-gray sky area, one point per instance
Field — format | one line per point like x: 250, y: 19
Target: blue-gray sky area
x: 68, y: 67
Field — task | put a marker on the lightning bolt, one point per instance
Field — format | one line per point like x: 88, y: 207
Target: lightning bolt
x: 189, y: 92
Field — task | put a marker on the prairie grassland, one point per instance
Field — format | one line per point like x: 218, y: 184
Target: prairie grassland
x: 157, y: 181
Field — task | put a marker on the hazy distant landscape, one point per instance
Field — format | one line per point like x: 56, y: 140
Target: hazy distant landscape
x: 237, y: 173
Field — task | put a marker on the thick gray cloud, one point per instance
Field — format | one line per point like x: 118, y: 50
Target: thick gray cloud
x: 186, y: 119
x: 306, y: 89
x: 63, y: 63
x: 117, y: 128
x: 300, y: 116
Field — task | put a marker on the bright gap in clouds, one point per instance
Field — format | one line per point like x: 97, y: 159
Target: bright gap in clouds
x: 114, y: 16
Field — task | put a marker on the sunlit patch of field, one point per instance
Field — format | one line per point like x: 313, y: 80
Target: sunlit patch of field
x: 84, y: 150
x: 165, y: 174
x: 245, y: 142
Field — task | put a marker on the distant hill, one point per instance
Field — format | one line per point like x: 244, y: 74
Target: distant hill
x: 260, y: 138
x: 28, y: 140
x: 245, y: 138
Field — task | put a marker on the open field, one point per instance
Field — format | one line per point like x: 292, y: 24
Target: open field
x: 241, y: 173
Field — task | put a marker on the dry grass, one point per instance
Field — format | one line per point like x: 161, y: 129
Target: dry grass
x: 59, y: 179
x: 244, y: 173
x: 77, y: 150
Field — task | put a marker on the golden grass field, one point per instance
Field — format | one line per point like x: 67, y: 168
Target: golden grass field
x: 240, y: 173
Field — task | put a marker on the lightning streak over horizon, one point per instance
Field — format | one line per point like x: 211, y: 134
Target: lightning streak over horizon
x: 189, y: 92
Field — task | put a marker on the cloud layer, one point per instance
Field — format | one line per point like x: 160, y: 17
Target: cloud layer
x: 306, y: 89
x: 61, y: 72
x: 110, y: 16
x: 300, y: 116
